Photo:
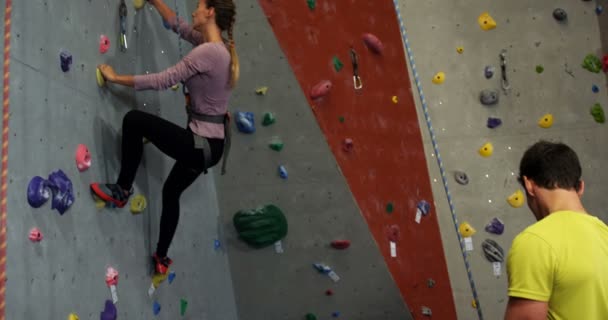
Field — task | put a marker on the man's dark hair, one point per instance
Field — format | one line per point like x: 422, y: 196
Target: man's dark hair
x: 551, y: 165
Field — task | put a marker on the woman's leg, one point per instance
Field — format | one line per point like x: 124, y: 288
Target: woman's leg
x: 173, y: 140
x: 180, y: 178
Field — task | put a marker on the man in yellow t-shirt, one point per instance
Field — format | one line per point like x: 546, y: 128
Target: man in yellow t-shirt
x: 557, y: 267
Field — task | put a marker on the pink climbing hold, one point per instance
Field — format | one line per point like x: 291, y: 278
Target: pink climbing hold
x: 111, y: 277
x: 83, y: 157
x: 320, y: 89
x: 104, y: 43
x: 35, y: 235
x: 348, y: 145
x: 373, y: 43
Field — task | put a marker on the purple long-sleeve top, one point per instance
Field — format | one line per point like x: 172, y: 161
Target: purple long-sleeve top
x: 206, y: 72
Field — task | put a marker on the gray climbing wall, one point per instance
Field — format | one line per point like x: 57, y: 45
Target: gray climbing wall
x: 527, y: 30
x: 51, y: 113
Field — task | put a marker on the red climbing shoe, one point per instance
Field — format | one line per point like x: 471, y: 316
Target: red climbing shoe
x: 161, y: 265
x: 111, y: 193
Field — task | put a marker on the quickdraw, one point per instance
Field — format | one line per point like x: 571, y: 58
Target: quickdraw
x: 503, y: 67
x: 356, y: 79
x: 122, y: 11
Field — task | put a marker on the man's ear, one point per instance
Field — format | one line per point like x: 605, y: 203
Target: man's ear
x: 211, y: 11
x: 581, y: 188
x: 529, y: 184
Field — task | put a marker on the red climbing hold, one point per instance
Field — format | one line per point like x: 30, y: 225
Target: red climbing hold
x: 340, y: 244
x: 373, y: 43
x: 320, y: 89
x: 392, y: 233
x: 605, y: 63
x: 329, y: 292
x: 347, y: 145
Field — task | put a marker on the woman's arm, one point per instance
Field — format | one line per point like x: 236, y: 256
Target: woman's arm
x: 165, y: 12
x: 180, y: 26
x: 110, y: 75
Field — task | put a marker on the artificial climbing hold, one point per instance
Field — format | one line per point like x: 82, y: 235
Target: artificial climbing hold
x: 560, y: 15
x: 393, y: 232
x: 320, y: 89
x: 340, y: 244
x: 138, y: 204
x: 389, y: 207
x: 65, y: 58
x: 395, y: 99
x: 493, y: 122
x: 488, y: 97
x: 592, y: 63
x: 73, y: 316
x: 83, y: 157
x: 35, y: 235
x: 245, y: 122
x: 104, y: 43
x: 492, y: 251
x: 261, y: 91
x: 338, y: 65
x: 38, y: 192
x: 101, y: 81
x: 598, y: 113
x: 539, y: 69
x: 546, y: 121
x: 269, y: 119
x: 311, y: 4
x: 283, y: 172
x: 430, y: 282
x: 175, y: 87
x: 335, y: 314
x: 466, y: 230
x: 426, y: 311
x: 488, y: 72
x: 183, y: 305
x: 605, y: 63
x: 310, y: 316
x: 276, y: 144
x: 171, y: 277
x: 341, y: 119
x: 461, y: 178
x: 156, y: 308
x: 424, y: 207
x: 63, y: 193
x: 595, y: 88
x: 496, y: 226
x: 486, y: 150
x: 599, y: 9
x: 460, y: 49
x: 329, y: 292
x: 261, y: 227
x: 486, y: 22
x: 347, y: 145
x: 516, y: 199
x: 373, y: 43
x: 439, y: 78
x: 138, y: 4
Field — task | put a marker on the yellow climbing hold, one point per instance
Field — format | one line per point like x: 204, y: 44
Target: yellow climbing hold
x: 395, y: 99
x: 439, y: 78
x: 158, y: 278
x: 486, y: 22
x: 466, y: 230
x: 73, y: 316
x: 138, y: 4
x: 138, y: 204
x: 473, y: 303
x: 486, y: 150
x: 459, y: 49
x: 546, y: 121
x: 261, y: 90
x: 516, y: 199
x: 175, y: 87
x: 100, y: 80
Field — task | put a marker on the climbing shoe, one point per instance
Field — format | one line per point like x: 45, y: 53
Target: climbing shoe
x: 111, y: 193
x: 161, y: 265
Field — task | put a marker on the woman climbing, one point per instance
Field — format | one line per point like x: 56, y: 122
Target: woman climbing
x: 209, y: 73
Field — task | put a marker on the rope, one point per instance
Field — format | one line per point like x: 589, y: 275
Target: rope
x: 439, y: 161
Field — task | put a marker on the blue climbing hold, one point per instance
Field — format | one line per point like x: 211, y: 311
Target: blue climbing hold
x: 166, y: 24
x: 156, y: 308
x: 424, y: 207
x: 216, y: 244
x: 63, y: 194
x: 494, y: 122
x: 336, y: 314
x: 599, y: 9
x: 38, y: 192
x: 283, y: 172
x: 245, y: 122
x: 171, y: 277
x: 595, y: 89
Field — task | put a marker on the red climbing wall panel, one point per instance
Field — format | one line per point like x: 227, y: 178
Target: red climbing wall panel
x: 387, y: 164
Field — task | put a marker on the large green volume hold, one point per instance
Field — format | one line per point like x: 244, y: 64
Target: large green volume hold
x: 261, y: 227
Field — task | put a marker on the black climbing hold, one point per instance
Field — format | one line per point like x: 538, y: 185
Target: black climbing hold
x: 560, y: 14
x: 488, y: 97
x: 488, y: 71
x: 461, y: 178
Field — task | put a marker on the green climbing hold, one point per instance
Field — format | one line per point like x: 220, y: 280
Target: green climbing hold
x: 183, y: 304
x: 539, y: 69
x: 268, y: 119
x: 598, y: 113
x: 389, y: 207
x: 310, y: 316
x: 592, y: 63
x: 311, y: 4
x: 338, y: 64
x: 276, y: 144
x: 341, y: 119
x: 261, y: 227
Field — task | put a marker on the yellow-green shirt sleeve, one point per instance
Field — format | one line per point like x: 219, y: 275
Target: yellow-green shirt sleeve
x: 531, y: 267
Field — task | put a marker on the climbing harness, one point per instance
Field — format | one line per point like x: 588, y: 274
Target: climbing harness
x: 356, y: 79
x: 427, y: 117
x: 199, y: 141
x: 122, y: 12
x: 503, y: 67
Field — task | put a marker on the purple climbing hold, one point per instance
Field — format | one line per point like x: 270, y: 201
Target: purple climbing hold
x: 63, y: 195
x: 496, y: 226
x: 38, y: 192
x: 66, y: 60
x: 109, y: 312
x: 424, y: 207
x: 494, y: 122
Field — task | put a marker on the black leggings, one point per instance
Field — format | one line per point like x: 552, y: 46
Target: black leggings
x: 177, y: 143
